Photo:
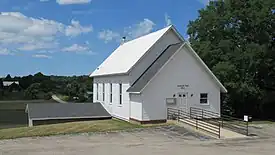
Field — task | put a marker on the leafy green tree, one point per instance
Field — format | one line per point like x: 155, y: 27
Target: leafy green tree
x: 39, y: 77
x: 14, y: 87
x: 1, y: 88
x: 32, y: 91
x: 76, y: 89
x: 1, y: 84
x: 8, y: 78
x: 236, y: 40
x: 26, y: 81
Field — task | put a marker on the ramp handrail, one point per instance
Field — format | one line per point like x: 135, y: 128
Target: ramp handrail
x: 180, y: 115
x: 232, y: 123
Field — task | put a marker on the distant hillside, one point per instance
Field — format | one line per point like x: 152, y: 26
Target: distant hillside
x: 40, y: 86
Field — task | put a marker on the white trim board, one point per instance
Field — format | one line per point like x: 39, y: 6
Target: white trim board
x: 56, y: 118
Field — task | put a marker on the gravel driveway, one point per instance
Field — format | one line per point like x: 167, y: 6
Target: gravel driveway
x: 160, y: 141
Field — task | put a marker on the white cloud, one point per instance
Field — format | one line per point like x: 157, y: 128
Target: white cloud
x: 37, y: 46
x: 80, y: 12
x: 5, y: 51
x: 168, y: 20
x: 131, y: 32
x: 66, y: 2
x: 42, y: 56
x: 45, y: 51
x: 75, y: 29
x: 78, y: 49
x: 75, y: 48
x: 27, y: 33
x: 108, y: 35
x: 140, y: 29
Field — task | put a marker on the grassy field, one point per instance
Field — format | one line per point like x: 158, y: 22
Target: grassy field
x: 70, y: 128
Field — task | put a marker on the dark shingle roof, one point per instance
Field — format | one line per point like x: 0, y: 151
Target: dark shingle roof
x: 66, y: 110
x: 146, y: 76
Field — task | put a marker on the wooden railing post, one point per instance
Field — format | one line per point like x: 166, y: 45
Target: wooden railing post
x: 196, y: 123
x: 246, y: 128
x: 178, y: 114
x: 219, y: 130
x: 202, y: 113
x: 167, y: 113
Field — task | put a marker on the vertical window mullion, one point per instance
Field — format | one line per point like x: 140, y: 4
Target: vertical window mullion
x: 111, y: 93
x: 103, y: 91
x: 120, y: 93
x: 97, y: 91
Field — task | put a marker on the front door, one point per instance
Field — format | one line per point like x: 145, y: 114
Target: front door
x: 182, y: 101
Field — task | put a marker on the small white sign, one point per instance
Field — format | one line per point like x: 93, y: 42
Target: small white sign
x: 245, y: 118
x: 170, y: 101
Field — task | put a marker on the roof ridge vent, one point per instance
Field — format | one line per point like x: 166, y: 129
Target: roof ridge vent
x: 123, y: 40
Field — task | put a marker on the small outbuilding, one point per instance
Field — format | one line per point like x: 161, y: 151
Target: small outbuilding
x: 47, y: 113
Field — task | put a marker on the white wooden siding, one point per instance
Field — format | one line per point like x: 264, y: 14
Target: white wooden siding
x: 136, y: 106
x: 181, y: 70
x: 117, y: 110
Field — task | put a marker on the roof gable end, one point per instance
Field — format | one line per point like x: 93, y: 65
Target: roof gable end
x: 128, y: 54
x: 140, y: 84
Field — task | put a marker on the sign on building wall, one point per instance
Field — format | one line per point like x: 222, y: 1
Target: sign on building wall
x: 170, y: 101
x: 183, y: 86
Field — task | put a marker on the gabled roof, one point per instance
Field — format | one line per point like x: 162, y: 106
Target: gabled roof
x: 128, y: 54
x: 148, y: 74
x: 8, y: 83
x: 165, y: 56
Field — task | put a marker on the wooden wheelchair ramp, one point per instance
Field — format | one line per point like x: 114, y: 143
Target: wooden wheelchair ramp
x: 208, y: 127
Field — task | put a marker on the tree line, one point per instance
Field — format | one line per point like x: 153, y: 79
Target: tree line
x: 40, y: 86
x: 236, y: 40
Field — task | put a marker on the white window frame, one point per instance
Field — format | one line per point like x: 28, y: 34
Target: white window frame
x: 111, y: 93
x: 103, y: 92
x: 97, y: 91
x: 204, y: 98
x: 120, y: 94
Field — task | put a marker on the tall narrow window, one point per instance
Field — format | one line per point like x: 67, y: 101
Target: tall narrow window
x: 203, y: 98
x: 97, y: 91
x: 111, y: 93
x: 103, y: 91
x: 120, y: 93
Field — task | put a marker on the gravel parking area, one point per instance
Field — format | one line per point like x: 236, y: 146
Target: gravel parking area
x: 161, y: 141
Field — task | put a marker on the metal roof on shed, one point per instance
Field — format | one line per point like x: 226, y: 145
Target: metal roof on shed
x: 44, y: 111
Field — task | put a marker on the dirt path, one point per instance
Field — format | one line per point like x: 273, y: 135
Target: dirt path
x: 57, y: 99
x: 150, y: 141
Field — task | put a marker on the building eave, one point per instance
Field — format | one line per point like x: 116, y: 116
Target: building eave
x: 106, y: 75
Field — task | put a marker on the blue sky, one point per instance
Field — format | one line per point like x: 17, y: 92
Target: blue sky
x: 72, y: 37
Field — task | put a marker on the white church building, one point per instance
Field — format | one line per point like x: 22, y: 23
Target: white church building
x: 136, y: 80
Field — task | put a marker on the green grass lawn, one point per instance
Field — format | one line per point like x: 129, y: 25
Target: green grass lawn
x: 70, y: 128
